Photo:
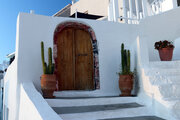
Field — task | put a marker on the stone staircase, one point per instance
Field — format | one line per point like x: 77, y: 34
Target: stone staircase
x: 163, y: 82
x: 101, y: 108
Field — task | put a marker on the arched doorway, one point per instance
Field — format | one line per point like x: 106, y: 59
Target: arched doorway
x: 76, y: 57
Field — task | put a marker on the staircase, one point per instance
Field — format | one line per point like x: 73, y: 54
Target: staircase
x: 101, y: 108
x: 163, y: 83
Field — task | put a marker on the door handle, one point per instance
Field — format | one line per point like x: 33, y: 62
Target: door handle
x: 82, y: 54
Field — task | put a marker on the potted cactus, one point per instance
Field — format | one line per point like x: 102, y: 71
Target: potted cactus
x: 48, y: 79
x: 125, y: 76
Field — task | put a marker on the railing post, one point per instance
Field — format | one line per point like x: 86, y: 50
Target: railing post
x: 175, y: 5
x: 144, y: 7
x: 130, y: 10
x: 137, y: 9
x: 115, y: 10
x: 125, y: 11
x: 76, y: 13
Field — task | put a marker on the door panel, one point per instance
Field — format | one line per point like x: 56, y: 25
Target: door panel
x: 65, y: 71
x: 84, y: 61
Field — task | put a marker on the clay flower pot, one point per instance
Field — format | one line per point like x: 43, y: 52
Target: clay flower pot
x: 48, y: 85
x: 126, y: 84
x: 166, y: 54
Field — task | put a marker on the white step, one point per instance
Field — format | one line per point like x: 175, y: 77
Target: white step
x: 167, y: 91
x: 119, y: 113
x: 90, y: 101
x: 164, y: 79
x: 161, y: 71
x: 164, y: 64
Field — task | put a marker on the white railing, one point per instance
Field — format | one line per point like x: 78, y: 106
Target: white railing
x: 135, y: 10
x: 156, y: 6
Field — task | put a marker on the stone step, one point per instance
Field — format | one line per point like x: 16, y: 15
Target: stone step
x: 85, y: 101
x: 165, y: 79
x: 136, y: 118
x: 81, y: 93
x: 167, y: 91
x: 163, y: 71
x: 96, y: 108
x: 164, y: 64
x: 108, y: 114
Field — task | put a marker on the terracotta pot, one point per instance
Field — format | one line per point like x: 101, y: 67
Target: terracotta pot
x: 48, y: 85
x: 166, y: 54
x: 126, y: 84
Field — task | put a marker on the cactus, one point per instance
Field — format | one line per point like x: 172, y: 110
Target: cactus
x: 47, y: 69
x: 42, y: 57
x: 50, y: 60
x: 125, y: 61
x: 128, y: 62
x: 122, y: 57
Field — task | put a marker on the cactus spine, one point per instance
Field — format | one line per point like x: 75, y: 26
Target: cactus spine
x: 125, y: 60
x: 47, y: 69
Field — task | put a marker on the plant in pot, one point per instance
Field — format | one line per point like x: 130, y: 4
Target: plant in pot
x: 48, y: 79
x: 125, y: 76
x: 165, y: 49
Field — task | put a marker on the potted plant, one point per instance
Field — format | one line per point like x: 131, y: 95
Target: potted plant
x: 165, y: 49
x: 48, y: 79
x: 125, y: 76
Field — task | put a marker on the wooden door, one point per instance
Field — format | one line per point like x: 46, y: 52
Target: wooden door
x: 75, y: 60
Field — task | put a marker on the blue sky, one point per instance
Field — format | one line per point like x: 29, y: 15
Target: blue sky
x: 9, y: 10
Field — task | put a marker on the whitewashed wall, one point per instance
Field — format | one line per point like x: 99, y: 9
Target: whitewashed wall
x: 33, y: 106
x: 36, y: 28
x: 161, y: 27
x: 27, y: 67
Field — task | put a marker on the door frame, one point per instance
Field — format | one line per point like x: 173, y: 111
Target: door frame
x: 88, y: 29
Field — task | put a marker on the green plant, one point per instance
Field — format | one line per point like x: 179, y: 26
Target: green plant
x: 47, y: 69
x: 125, y: 61
x: 163, y: 44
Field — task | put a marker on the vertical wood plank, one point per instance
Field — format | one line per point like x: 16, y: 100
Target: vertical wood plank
x: 84, y: 61
x: 65, y: 59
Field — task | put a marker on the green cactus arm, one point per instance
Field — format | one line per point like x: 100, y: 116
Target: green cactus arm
x: 125, y: 61
x: 50, y: 71
x: 128, y: 62
x: 122, y: 58
x: 42, y: 57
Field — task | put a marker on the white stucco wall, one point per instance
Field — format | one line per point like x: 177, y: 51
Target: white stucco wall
x: 27, y: 66
x: 160, y: 27
x: 33, y: 106
x: 36, y: 28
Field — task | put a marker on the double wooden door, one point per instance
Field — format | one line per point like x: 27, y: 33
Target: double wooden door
x: 75, y: 60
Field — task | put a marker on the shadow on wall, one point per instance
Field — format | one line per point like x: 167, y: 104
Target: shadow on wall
x: 176, y: 54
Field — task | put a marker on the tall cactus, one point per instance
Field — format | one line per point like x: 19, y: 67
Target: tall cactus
x: 50, y: 61
x: 125, y: 60
x: 47, y: 69
x: 42, y: 57
x: 128, y: 62
x: 122, y: 58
